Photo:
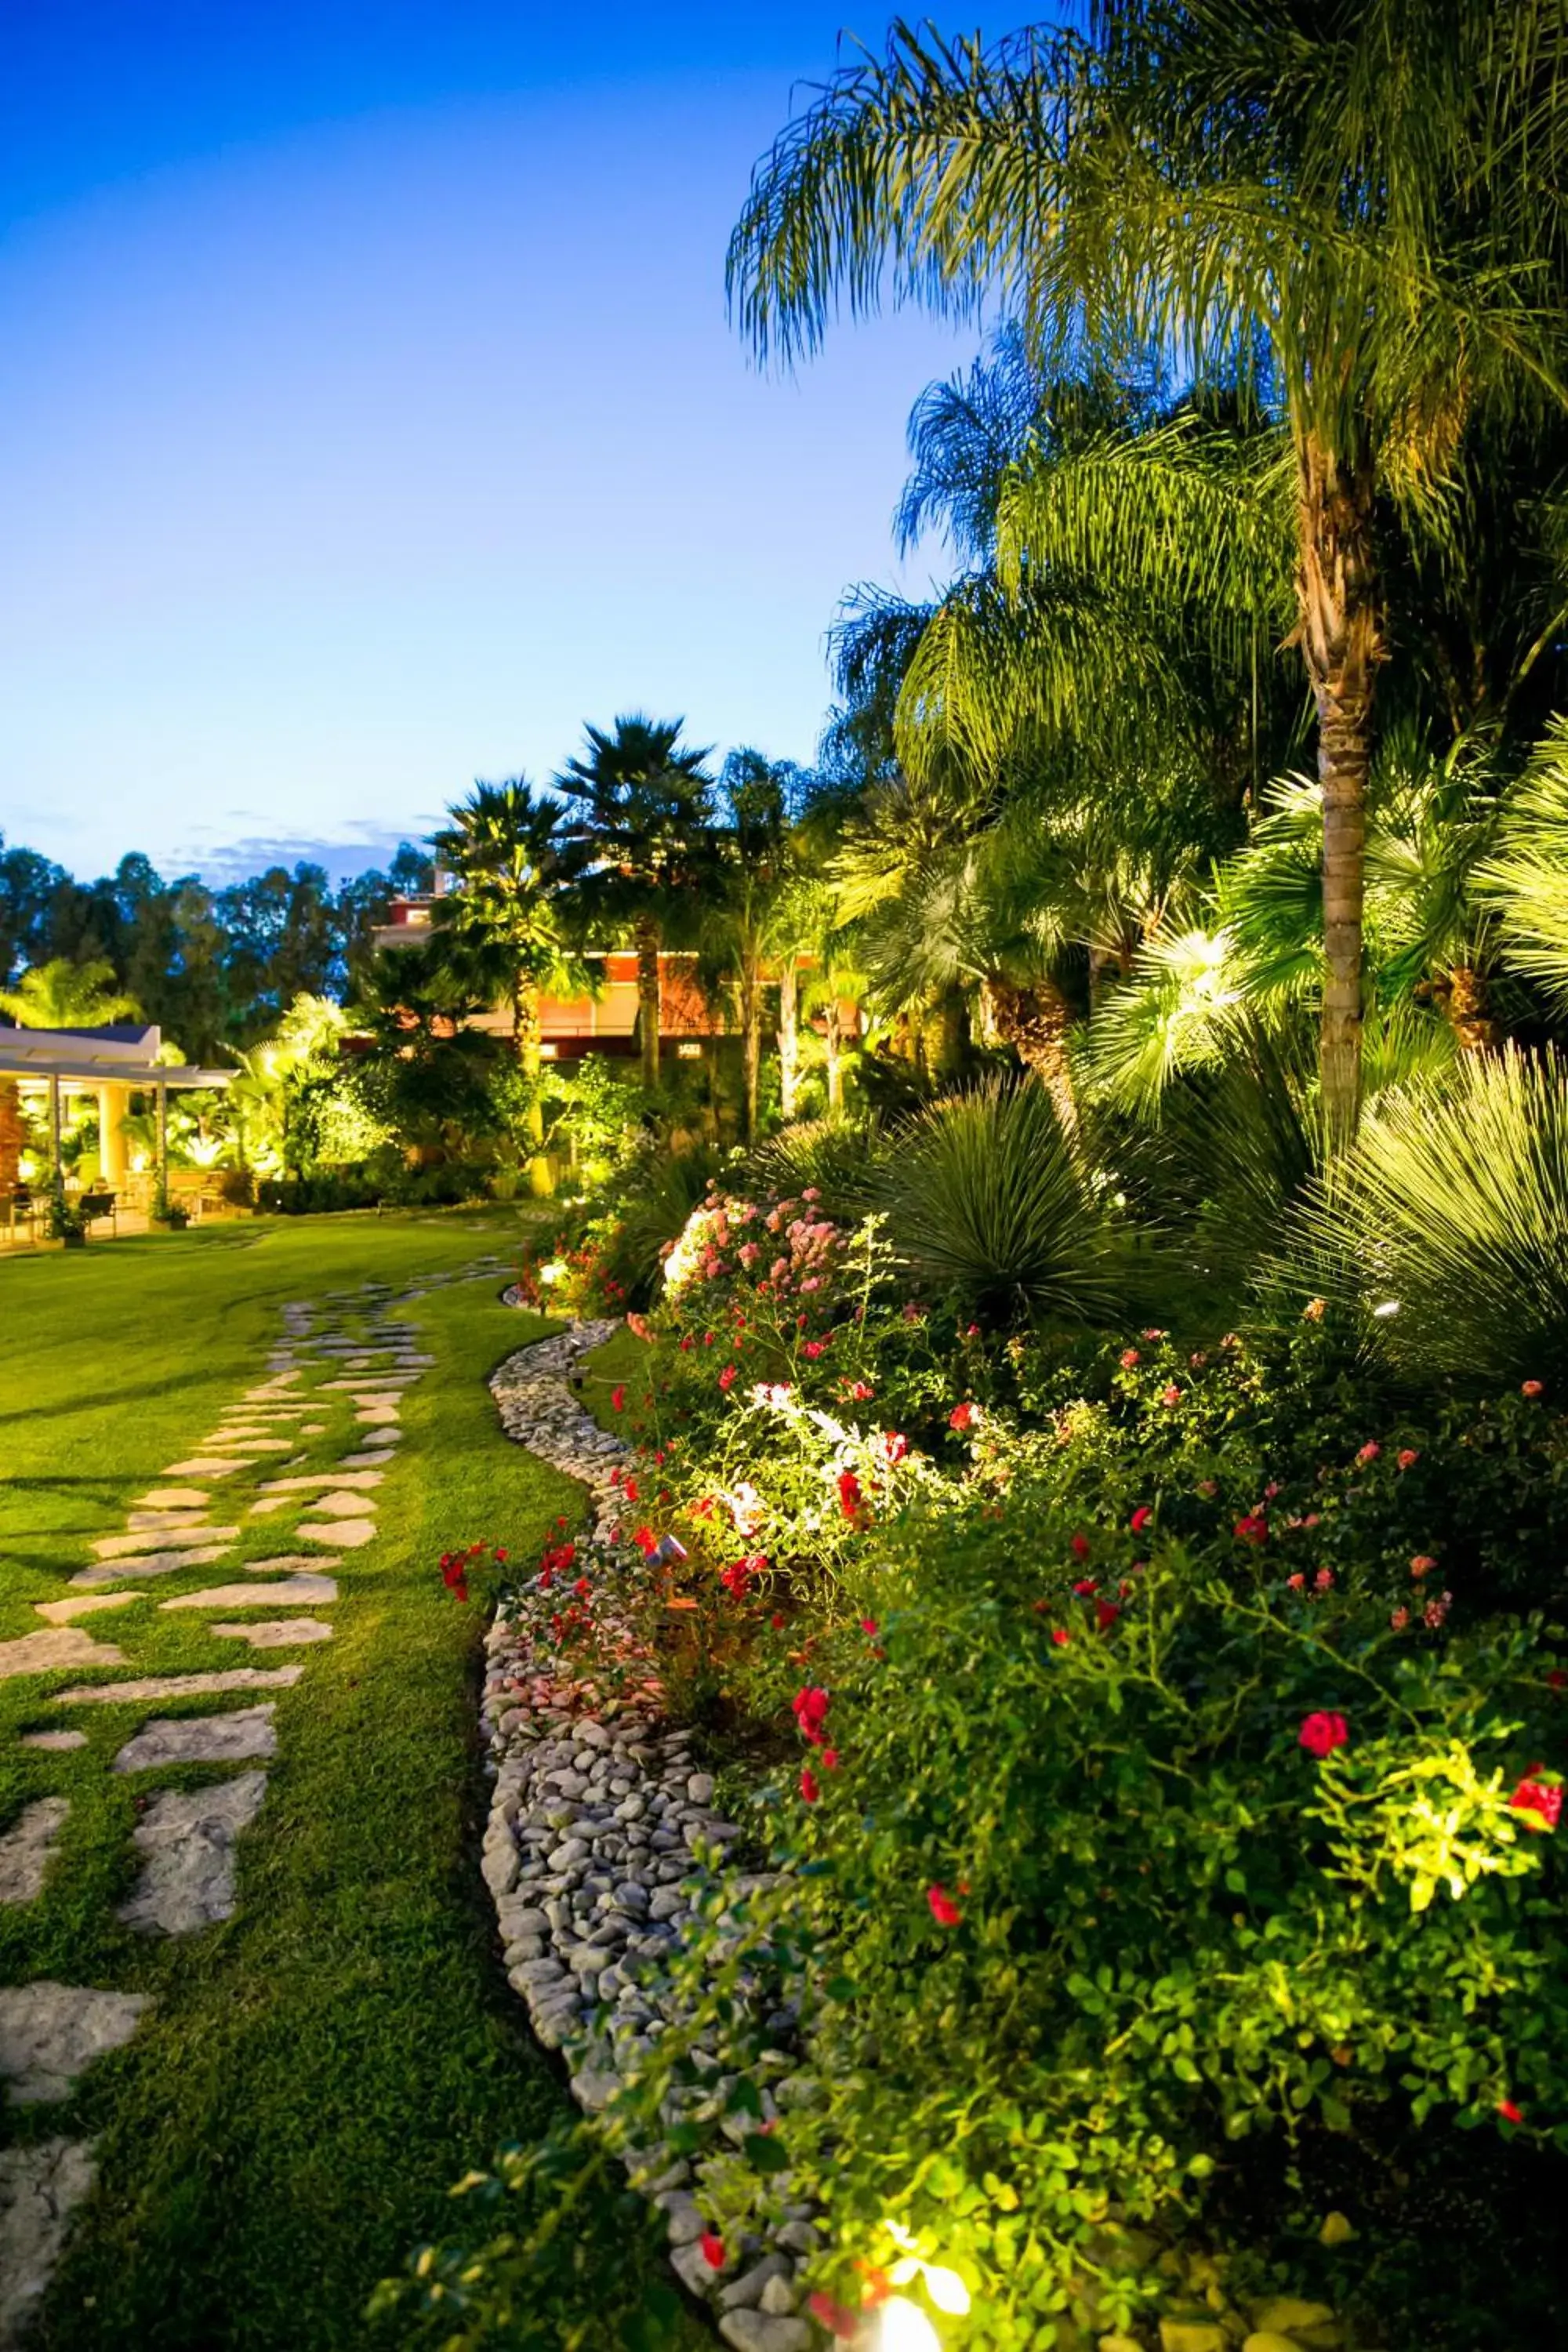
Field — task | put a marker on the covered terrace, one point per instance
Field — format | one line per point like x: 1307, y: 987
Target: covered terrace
x: 113, y: 1063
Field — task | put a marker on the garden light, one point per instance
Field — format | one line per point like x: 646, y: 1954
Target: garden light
x: 905, y: 2328
x: 1389, y: 1307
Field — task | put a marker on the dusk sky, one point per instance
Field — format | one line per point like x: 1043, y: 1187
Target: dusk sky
x: 370, y: 418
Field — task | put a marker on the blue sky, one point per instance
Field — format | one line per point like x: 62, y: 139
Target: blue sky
x: 369, y: 417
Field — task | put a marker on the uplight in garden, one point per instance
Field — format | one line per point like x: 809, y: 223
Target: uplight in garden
x: 904, y: 2327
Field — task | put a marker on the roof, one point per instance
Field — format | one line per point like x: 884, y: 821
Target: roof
x: 118, y: 1052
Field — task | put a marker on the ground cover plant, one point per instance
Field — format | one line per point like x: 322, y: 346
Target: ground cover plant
x: 313, y: 2071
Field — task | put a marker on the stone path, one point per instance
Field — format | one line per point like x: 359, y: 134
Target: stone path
x: 338, y: 1372
x: 597, y: 1822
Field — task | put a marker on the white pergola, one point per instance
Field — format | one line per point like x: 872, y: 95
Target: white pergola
x: 114, y: 1063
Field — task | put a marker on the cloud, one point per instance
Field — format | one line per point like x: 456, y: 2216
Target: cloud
x: 349, y: 849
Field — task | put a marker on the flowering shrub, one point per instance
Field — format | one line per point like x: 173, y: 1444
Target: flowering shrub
x: 1128, y: 1855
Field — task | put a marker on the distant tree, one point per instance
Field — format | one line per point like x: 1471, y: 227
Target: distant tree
x: 501, y: 929
x: 28, y: 884
x: 642, y: 819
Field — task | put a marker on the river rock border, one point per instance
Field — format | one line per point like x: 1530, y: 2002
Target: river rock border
x: 592, y: 1853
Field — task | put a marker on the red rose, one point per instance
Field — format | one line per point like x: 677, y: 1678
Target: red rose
x: 1172, y: 1395
x: 728, y: 1378
x: 809, y: 1787
x: 1060, y: 1636
x: 963, y: 1417
x: 1540, y: 1802
x: 1141, y: 1519
x: 1530, y: 1388
x: 712, y: 2247
x: 943, y: 1910
x: 1320, y: 1733
x: 618, y: 1399
x: 1509, y: 2112
x: 1106, y: 1614
x: 1080, y: 1546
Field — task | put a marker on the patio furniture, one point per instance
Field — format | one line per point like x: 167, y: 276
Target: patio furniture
x: 93, y: 1207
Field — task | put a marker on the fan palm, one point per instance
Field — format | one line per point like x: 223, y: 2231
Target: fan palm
x: 641, y: 822
x: 508, y: 849
x: 1350, y: 207
x: 65, y: 995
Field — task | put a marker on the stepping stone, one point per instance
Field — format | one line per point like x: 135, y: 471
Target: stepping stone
x: 60, y: 1613
x: 244, y: 1735
x: 247, y: 1445
x: 285, y: 1562
x: 379, y: 1437
x: 268, y: 1503
x: 167, y: 1523
x: 349, y: 1533
x: 49, y: 2031
x: 277, y: 1633
x: 36, y: 1653
x: 54, y: 1743
x: 180, y: 1686
x: 175, y: 1498
x: 118, y: 1547
x: 187, y: 1837
x: 372, y: 1388
x: 41, y: 2185
x: 320, y: 1478
x: 151, y: 1563
x: 345, y: 1505
x: 315, y: 1591
x: 205, y: 1466
x: 377, y: 1417
x: 25, y: 1848
x: 360, y: 1461
x: 312, y: 1429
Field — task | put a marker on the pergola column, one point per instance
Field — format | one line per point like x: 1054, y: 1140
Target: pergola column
x: 112, y: 1105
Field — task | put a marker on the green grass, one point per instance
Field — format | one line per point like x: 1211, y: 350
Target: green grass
x: 316, y: 2072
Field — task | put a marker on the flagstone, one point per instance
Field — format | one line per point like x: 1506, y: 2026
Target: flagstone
x: 41, y: 2184
x: 25, y: 1845
x: 187, y: 1837
x: 117, y: 1546
x: 180, y: 1686
x: 305, y: 1479
x: 60, y: 1613
x: 54, y: 1743
x: 277, y: 1633
x: 206, y: 1466
x: 37, y: 1653
x: 284, y: 1561
x: 246, y: 1734
x: 151, y: 1563
x: 49, y: 2033
x: 349, y: 1533
x: 173, y: 1498
x: 316, y: 1591
x: 345, y: 1505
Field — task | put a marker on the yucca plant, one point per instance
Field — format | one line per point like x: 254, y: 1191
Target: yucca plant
x: 989, y: 1202
x: 1447, y: 1224
x: 838, y: 1157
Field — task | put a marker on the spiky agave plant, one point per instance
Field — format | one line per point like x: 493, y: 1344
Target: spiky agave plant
x: 990, y: 1203
x: 1447, y: 1224
x: 838, y: 1157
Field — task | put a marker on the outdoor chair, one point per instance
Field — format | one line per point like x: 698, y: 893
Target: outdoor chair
x: 92, y: 1207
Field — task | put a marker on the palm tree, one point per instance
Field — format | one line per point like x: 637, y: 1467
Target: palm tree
x: 509, y: 852
x: 65, y: 995
x: 642, y: 829
x: 746, y: 920
x: 1350, y: 210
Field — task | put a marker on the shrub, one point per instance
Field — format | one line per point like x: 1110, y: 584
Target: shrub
x: 988, y: 1204
x: 1124, y: 1860
x: 1448, y: 1223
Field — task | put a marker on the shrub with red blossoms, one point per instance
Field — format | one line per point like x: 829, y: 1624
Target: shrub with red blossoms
x: 1538, y: 1798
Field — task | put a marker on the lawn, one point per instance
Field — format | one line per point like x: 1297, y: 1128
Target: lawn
x: 317, y: 2071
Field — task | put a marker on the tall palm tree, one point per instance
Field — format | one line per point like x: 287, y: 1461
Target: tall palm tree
x: 642, y: 827
x: 65, y: 995
x: 1350, y: 208
x: 511, y: 855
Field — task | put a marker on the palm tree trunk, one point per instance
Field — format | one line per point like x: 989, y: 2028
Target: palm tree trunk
x: 1342, y: 642
x: 751, y: 1051
x: 1466, y: 1003
x: 1035, y: 1021
x: 789, y: 1036
x: 526, y: 1042
x: 833, y: 1043
x: 647, y: 935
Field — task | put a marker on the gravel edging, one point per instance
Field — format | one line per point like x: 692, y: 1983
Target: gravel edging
x: 591, y: 1853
